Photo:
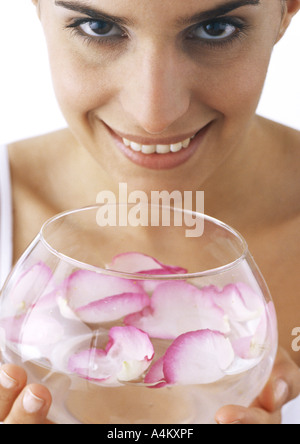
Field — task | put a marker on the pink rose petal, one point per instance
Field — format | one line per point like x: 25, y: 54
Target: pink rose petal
x: 41, y: 330
x: 176, y: 308
x: 100, y: 298
x: 143, y: 264
x: 84, y: 287
x: 198, y: 357
x: 247, y: 316
x: 113, y: 308
x: 127, y: 355
x: 155, y: 376
x: 12, y: 327
x: 35, y: 330
x: 253, y: 346
x: 89, y: 365
x: 239, y: 301
x: 29, y: 288
x: 242, y: 347
x: 139, y: 263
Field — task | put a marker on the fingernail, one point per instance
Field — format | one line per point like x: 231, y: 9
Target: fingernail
x: 230, y: 423
x: 281, y: 391
x: 32, y: 403
x: 6, y: 381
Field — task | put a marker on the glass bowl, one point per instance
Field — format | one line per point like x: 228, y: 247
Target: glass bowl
x: 128, y: 316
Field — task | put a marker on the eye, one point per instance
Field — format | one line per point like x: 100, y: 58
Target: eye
x: 215, y: 30
x: 98, y: 28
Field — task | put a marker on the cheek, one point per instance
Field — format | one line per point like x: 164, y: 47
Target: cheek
x: 79, y: 90
x: 80, y: 86
x: 244, y: 89
x: 231, y: 79
x: 234, y: 90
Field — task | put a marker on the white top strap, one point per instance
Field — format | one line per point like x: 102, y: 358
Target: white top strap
x: 6, y: 217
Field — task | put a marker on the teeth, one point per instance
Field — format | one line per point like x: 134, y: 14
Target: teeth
x: 159, y: 149
x: 176, y: 147
x: 149, y: 149
x: 186, y: 143
x: 163, y: 149
x: 126, y: 142
x: 135, y: 146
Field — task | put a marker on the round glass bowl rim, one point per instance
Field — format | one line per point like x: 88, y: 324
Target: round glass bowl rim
x: 138, y: 276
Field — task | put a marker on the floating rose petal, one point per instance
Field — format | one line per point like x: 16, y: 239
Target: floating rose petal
x: 127, y: 355
x: 247, y: 317
x: 27, y: 290
x: 89, y: 364
x: 155, y: 376
x: 177, y: 308
x: 199, y: 357
x: 143, y: 264
x: 239, y: 301
x: 139, y: 263
x: 242, y: 347
x: 253, y: 346
x: 113, y: 307
x: 99, y: 298
x: 35, y: 331
x: 41, y: 330
x: 12, y: 327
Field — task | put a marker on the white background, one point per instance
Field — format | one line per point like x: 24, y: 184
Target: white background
x: 27, y: 103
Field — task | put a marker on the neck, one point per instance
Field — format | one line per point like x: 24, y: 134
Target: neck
x: 238, y: 192
x: 242, y: 192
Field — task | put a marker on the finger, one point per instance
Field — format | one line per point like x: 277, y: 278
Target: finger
x: 286, y: 369
x: 12, y: 381
x: 240, y: 415
x: 283, y: 386
x: 31, y: 406
x: 273, y: 397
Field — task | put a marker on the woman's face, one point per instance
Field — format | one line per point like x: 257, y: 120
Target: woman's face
x: 158, y: 73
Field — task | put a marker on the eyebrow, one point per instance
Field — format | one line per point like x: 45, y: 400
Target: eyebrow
x: 91, y: 12
x: 218, y: 11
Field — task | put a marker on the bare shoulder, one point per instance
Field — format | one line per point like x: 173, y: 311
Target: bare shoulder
x: 36, y: 166
x: 284, y: 160
x: 39, y: 141
x: 27, y: 154
x: 287, y: 138
x: 37, y: 162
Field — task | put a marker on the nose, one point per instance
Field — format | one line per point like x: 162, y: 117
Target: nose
x: 155, y: 93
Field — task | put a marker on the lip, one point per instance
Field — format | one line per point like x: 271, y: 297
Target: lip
x: 159, y: 161
x: 149, y: 141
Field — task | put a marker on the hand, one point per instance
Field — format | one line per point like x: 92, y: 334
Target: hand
x: 21, y: 403
x: 283, y: 386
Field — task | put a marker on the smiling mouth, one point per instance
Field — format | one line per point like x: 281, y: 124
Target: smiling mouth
x: 168, y: 154
x: 158, y: 149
